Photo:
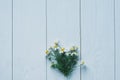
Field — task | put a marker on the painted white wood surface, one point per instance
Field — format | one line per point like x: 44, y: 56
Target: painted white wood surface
x: 63, y: 26
x: 117, y: 23
x: 98, y: 39
x: 5, y: 40
x: 29, y: 40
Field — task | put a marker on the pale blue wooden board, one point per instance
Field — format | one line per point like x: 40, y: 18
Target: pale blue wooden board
x: 117, y: 19
x: 63, y: 25
x: 5, y: 40
x: 98, y: 39
x: 29, y: 40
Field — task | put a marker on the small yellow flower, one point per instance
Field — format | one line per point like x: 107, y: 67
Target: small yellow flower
x: 72, y: 48
x: 47, y: 52
x: 82, y: 62
x: 56, y: 43
x: 55, y: 46
x: 63, y: 49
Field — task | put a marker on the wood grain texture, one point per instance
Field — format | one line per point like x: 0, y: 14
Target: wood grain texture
x: 5, y: 40
x: 29, y: 40
x: 98, y: 39
x: 63, y: 26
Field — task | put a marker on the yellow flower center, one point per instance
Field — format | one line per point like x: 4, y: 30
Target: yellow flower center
x: 62, y: 49
x: 47, y: 52
x: 55, y: 46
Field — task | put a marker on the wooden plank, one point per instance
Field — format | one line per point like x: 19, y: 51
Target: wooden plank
x: 98, y: 39
x: 29, y: 40
x: 63, y: 26
x: 117, y: 26
x: 5, y: 40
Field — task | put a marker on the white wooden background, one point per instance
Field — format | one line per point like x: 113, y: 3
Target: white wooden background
x: 23, y: 37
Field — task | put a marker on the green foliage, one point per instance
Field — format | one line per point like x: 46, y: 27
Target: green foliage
x: 63, y: 60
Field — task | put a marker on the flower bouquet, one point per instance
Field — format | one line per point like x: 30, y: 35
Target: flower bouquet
x: 65, y: 61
